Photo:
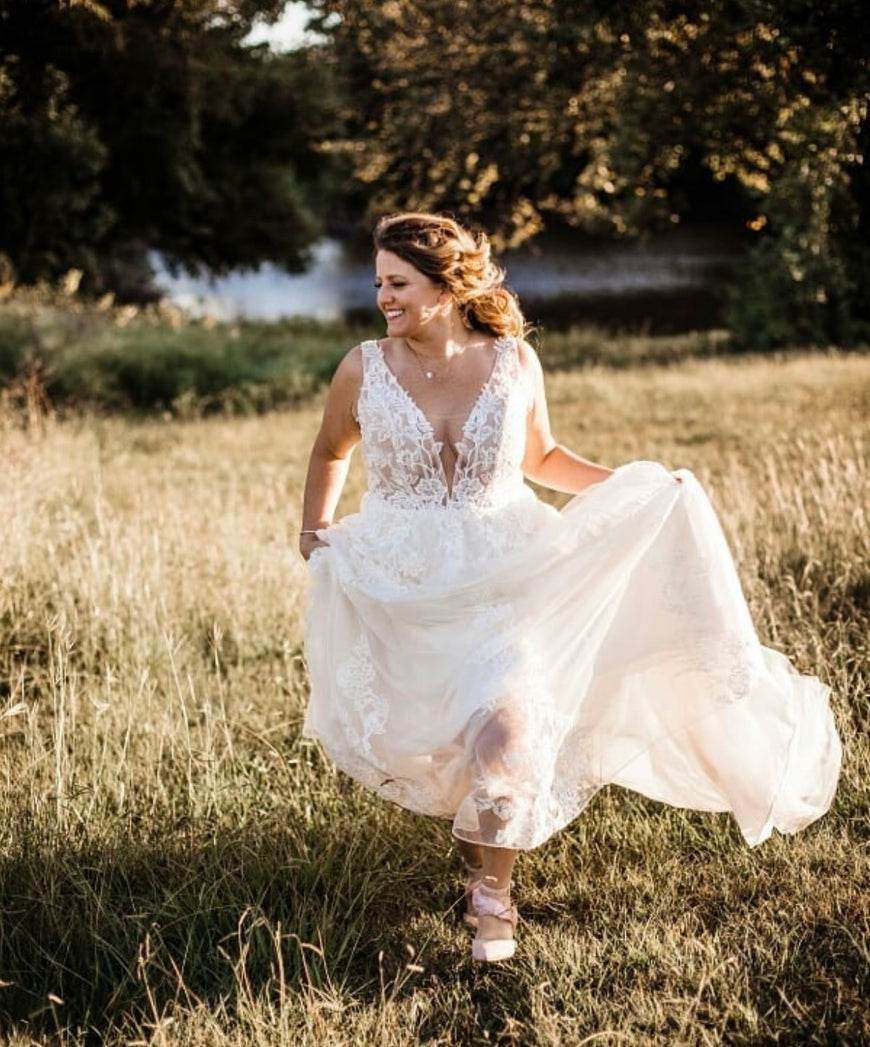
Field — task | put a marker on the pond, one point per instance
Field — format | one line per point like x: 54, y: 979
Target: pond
x: 670, y: 283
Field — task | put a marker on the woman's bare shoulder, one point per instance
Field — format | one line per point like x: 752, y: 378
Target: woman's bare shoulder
x: 347, y: 379
x: 350, y: 366
x: 528, y: 358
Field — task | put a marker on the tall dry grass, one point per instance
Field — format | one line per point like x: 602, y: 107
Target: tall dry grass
x: 178, y: 867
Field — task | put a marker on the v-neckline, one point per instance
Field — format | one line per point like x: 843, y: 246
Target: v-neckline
x: 498, y: 346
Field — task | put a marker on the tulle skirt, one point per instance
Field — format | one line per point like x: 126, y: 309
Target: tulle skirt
x: 499, y: 666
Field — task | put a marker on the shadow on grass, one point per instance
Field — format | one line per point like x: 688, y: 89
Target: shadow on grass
x: 97, y: 931
x: 118, y: 932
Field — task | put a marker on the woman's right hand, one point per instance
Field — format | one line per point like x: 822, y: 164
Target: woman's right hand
x: 308, y: 543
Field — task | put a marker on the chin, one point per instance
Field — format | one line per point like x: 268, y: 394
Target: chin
x: 399, y: 330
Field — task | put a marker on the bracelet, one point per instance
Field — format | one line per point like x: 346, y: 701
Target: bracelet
x: 310, y: 532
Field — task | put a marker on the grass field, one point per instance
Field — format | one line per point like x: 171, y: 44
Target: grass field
x: 179, y: 867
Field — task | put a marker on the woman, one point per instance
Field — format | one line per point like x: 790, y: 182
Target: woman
x: 477, y: 655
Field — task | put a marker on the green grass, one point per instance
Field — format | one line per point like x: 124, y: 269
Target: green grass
x: 156, y: 360
x: 179, y: 867
x: 84, y: 356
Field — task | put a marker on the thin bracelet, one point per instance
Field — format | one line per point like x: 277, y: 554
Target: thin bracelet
x: 311, y: 532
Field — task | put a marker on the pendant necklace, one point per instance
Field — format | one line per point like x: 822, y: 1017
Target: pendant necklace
x: 427, y: 373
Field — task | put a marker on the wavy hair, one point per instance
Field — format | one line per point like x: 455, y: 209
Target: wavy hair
x: 459, y: 260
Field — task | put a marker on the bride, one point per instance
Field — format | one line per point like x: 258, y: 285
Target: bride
x: 475, y: 654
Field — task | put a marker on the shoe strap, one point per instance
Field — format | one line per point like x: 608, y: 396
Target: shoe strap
x: 494, y: 901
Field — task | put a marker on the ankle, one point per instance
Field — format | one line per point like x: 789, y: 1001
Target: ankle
x: 496, y: 885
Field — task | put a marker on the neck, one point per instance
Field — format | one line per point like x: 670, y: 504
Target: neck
x: 445, y: 338
x: 436, y: 350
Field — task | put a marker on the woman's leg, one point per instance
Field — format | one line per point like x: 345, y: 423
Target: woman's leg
x: 498, y: 864
x: 496, y: 917
x: 501, y: 779
x: 470, y: 853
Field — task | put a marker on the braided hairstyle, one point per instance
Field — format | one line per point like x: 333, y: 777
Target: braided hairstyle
x: 459, y: 260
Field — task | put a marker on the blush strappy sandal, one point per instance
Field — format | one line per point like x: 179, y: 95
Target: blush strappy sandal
x: 495, y: 914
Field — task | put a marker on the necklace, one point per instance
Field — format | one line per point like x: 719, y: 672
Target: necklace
x: 427, y: 372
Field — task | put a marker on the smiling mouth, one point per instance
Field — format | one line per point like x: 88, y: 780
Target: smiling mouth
x: 393, y: 314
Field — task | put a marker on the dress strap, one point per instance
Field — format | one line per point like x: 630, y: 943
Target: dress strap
x: 507, y: 359
x: 507, y: 348
x: 371, y: 352
x: 372, y: 360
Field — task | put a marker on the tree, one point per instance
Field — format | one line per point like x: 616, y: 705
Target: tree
x: 603, y: 115
x: 130, y: 125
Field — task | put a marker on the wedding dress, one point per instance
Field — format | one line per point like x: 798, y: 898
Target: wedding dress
x: 478, y: 655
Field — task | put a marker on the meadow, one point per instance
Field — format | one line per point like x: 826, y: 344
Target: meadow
x: 179, y: 867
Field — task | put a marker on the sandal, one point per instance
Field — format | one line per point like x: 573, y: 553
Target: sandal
x: 493, y: 904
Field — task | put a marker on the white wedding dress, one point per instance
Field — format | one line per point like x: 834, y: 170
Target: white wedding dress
x: 477, y: 655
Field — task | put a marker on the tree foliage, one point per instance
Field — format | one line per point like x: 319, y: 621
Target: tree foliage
x: 128, y: 125
x: 611, y: 116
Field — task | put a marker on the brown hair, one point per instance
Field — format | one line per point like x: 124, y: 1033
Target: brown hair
x: 440, y: 248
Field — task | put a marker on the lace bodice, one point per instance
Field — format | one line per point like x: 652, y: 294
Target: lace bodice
x: 403, y: 459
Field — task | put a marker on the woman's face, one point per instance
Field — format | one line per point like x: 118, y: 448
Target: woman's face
x: 407, y: 298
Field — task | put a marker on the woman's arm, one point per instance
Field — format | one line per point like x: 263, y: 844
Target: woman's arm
x: 546, y: 462
x: 330, y: 456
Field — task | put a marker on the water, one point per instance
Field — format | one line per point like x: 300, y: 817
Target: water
x: 668, y: 284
